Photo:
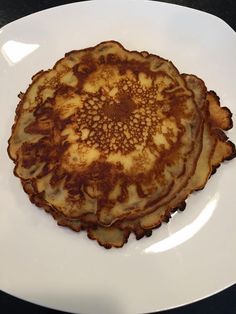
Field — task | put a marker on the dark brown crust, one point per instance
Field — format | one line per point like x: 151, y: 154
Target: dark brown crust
x: 126, y: 234
x: 228, y: 114
x: 233, y: 154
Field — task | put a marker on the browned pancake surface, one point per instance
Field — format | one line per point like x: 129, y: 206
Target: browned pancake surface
x: 112, y: 141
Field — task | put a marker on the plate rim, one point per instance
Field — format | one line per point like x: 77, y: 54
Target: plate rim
x: 82, y: 2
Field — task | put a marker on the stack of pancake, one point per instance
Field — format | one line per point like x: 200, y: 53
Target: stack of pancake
x: 113, y: 141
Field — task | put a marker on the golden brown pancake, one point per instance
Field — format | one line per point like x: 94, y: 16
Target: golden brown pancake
x: 112, y: 141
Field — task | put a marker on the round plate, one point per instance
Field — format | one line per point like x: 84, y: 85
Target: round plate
x: 191, y: 257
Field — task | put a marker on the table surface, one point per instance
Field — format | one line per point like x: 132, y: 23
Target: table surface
x: 221, y: 303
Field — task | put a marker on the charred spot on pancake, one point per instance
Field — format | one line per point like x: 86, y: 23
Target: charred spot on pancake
x: 113, y: 141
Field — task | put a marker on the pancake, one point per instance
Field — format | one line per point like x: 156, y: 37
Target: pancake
x: 120, y: 165
x: 112, y: 141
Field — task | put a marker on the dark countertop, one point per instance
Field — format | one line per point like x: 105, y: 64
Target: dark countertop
x: 221, y: 303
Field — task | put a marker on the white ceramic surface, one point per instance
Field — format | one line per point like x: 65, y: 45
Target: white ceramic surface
x: 191, y: 257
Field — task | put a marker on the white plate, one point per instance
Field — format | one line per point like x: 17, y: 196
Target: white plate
x: 191, y: 257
